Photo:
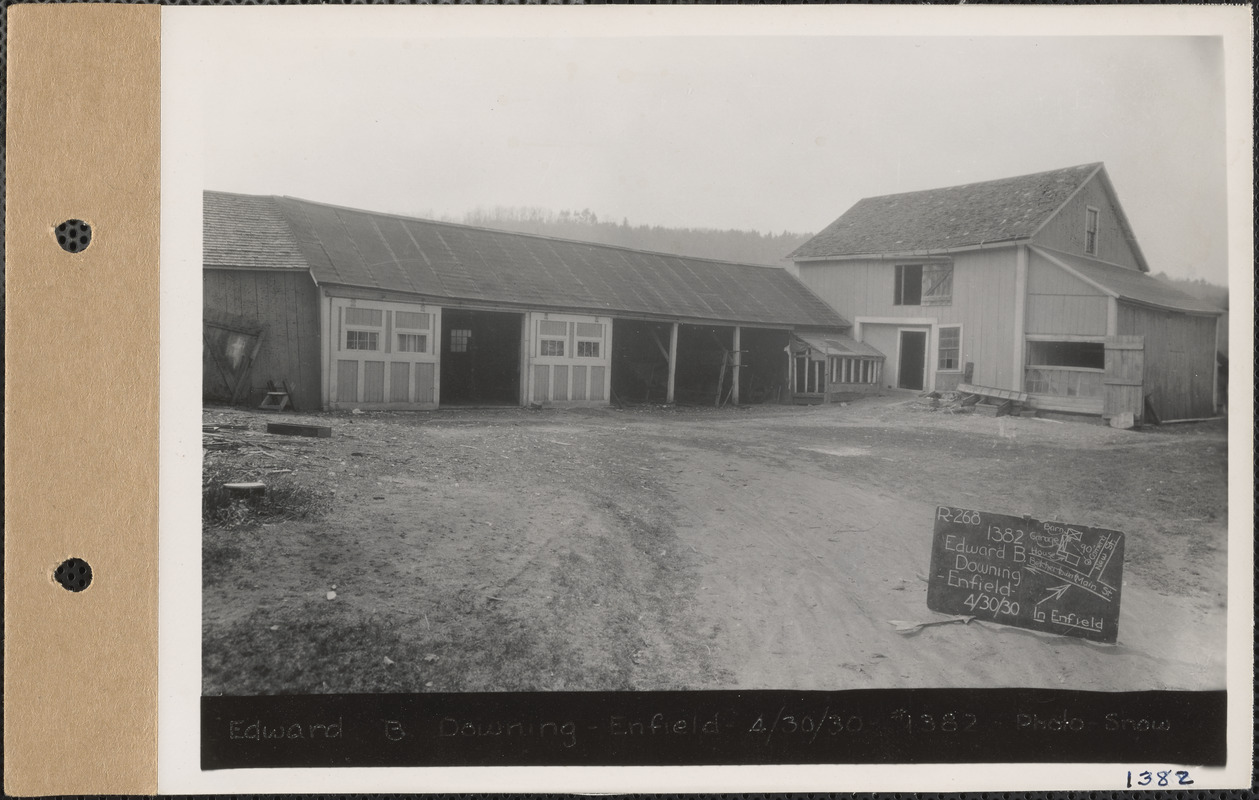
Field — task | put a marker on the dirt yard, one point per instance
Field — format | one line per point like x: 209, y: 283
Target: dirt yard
x: 659, y: 548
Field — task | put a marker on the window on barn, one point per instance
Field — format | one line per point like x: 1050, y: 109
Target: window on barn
x: 459, y: 338
x: 551, y: 347
x: 908, y: 290
x: 950, y: 348
x: 587, y: 349
x: 937, y: 284
x: 362, y: 340
x: 412, y: 342
x: 589, y: 337
x: 1065, y: 369
x: 1091, y: 217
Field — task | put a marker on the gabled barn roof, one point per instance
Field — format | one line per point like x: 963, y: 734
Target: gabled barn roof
x: 955, y: 217
x: 441, y: 260
x: 1127, y: 284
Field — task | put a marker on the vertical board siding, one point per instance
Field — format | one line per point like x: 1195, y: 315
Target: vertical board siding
x: 286, y: 306
x: 347, y: 381
x: 399, y: 381
x: 424, y: 372
x: 579, y: 382
x: 1065, y: 231
x: 598, y: 376
x: 541, y: 382
x: 373, y: 381
x: 1060, y: 303
x: 1179, y: 359
x: 983, y: 304
x: 560, y: 393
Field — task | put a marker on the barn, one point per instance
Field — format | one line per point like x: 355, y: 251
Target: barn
x: 343, y: 308
x: 1032, y: 284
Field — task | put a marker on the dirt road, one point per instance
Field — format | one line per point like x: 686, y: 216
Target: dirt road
x: 693, y: 548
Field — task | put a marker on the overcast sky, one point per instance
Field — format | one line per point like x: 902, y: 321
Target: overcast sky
x: 754, y: 132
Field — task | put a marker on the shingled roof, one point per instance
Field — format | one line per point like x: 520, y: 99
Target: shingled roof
x: 445, y: 261
x: 1006, y: 210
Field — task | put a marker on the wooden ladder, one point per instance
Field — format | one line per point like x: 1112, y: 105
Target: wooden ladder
x: 276, y: 399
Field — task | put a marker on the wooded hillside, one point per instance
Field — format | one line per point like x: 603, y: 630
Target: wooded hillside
x: 749, y: 247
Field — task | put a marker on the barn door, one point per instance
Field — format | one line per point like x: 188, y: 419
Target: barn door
x: 1123, y: 383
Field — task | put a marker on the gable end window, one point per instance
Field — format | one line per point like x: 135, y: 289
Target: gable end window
x: 923, y: 285
x: 1091, y: 217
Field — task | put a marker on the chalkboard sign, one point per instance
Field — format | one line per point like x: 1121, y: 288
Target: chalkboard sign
x: 1046, y: 576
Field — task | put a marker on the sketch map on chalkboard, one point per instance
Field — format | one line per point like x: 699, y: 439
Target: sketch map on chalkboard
x: 1046, y: 576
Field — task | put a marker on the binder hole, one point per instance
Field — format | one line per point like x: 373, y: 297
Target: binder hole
x: 74, y: 235
x: 74, y: 574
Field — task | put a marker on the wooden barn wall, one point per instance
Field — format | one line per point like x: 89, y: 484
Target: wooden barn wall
x: 286, y: 305
x: 1179, y: 359
x: 983, y: 304
x: 1060, y: 303
x: 1065, y: 231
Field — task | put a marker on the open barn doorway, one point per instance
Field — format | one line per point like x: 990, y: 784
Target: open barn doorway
x: 764, y: 375
x: 640, y: 361
x: 480, y: 357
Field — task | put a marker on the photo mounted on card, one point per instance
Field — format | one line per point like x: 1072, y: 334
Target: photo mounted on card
x: 842, y: 393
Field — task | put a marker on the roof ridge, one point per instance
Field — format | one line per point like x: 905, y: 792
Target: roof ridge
x: 465, y: 226
x: 1090, y: 166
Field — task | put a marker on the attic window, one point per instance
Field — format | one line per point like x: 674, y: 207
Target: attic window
x: 1091, y: 216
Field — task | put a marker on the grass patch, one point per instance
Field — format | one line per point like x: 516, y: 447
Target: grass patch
x: 284, y: 498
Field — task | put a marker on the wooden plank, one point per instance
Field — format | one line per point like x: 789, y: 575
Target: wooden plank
x: 399, y: 381
x: 424, y: 372
x: 299, y: 429
x: 673, y: 359
x: 347, y: 380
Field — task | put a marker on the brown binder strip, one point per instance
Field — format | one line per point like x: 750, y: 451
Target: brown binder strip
x: 81, y: 410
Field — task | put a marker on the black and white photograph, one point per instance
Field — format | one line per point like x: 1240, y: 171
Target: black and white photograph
x: 548, y: 362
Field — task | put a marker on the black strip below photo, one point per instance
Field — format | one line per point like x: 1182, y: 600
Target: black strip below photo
x: 876, y: 726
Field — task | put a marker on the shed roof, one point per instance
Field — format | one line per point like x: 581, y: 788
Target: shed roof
x: 447, y: 261
x: 1005, y: 210
x: 1128, y: 284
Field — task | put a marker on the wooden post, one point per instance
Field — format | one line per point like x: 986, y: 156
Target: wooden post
x: 673, y: 361
x: 738, y: 362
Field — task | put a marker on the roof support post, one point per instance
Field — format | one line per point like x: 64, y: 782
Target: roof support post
x: 673, y: 362
x: 738, y: 362
x: 1020, y: 325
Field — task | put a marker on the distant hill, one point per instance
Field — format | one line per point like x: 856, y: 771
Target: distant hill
x: 749, y: 247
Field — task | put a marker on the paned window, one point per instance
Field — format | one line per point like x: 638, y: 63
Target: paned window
x: 361, y: 340
x: 459, y: 338
x: 551, y: 347
x: 950, y: 348
x: 587, y: 349
x: 412, y: 343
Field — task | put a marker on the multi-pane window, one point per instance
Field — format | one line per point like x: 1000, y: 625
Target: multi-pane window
x: 361, y: 340
x: 950, y: 348
x: 412, y: 343
x: 587, y: 349
x: 459, y: 338
x: 551, y: 347
x: 1091, y: 217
